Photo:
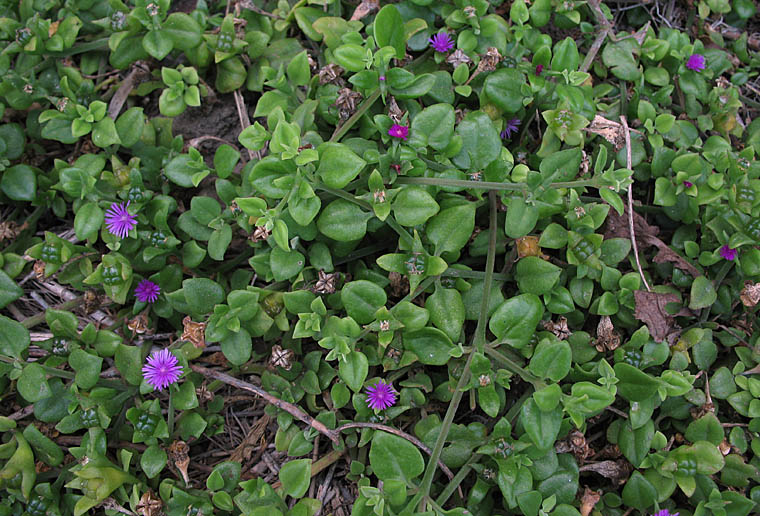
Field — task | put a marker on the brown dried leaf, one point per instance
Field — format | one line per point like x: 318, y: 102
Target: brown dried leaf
x: 611, y: 131
x: 617, y: 227
x: 245, y: 449
x: 666, y: 254
x: 650, y: 309
x: 589, y: 499
x: 750, y: 294
x: 615, y: 470
x: 364, y: 8
x: 606, y: 336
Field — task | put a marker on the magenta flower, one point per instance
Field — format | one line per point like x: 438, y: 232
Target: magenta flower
x: 381, y: 396
x: 728, y: 253
x: 539, y: 69
x: 399, y: 131
x: 162, y: 369
x: 147, y: 291
x: 442, y: 42
x: 665, y: 512
x: 119, y: 221
x: 688, y: 184
x: 512, y: 127
x: 382, y: 77
x: 696, y: 62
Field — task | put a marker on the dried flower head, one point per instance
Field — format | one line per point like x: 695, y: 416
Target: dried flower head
x: 728, y: 253
x: 179, y: 455
x: 259, y: 234
x: 381, y: 395
x: 194, y: 332
x: 489, y: 61
x: 147, y: 291
x: 696, y: 62
x: 162, y: 369
x: 750, y: 294
x: 458, y: 57
x: 281, y: 357
x: 442, y: 42
x: 138, y: 325
x: 119, y: 221
x: 347, y: 102
x: 512, y: 127
x: 326, y: 283
x: 399, y: 131
x: 331, y: 74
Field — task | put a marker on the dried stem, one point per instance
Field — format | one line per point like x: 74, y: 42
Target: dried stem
x: 629, y: 166
x: 243, y: 116
x: 277, y: 402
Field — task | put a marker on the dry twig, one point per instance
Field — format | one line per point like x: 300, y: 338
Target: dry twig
x: 629, y: 166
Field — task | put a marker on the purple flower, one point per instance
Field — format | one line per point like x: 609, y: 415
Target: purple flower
x: 147, y: 291
x: 381, y: 396
x: 442, y: 42
x: 696, y: 62
x: 119, y: 221
x: 728, y: 253
x: 539, y: 69
x: 162, y: 369
x: 382, y: 77
x: 688, y: 184
x: 399, y: 131
x: 512, y: 126
x: 664, y: 512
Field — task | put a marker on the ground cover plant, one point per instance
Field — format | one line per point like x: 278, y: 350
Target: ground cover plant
x: 318, y: 257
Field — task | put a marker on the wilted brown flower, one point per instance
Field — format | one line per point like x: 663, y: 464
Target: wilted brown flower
x: 347, y: 102
x: 489, y: 61
x: 259, y: 234
x: 606, y: 336
x: 750, y: 294
x: 325, y: 283
x: 178, y: 454
x: 559, y: 328
x: 139, y: 324
x: 281, y: 357
x: 331, y: 74
x: 149, y: 504
x: 194, y: 332
x: 458, y: 57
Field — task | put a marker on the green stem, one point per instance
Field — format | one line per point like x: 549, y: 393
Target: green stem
x: 343, y: 129
x: 489, y: 185
x: 459, y: 273
x: 398, y: 228
x: 458, y: 479
x: 479, y: 341
x: 31, y: 322
x: 292, y: 13
x: 343, y: 195
x: 170, y: 412
x: 516, y: 368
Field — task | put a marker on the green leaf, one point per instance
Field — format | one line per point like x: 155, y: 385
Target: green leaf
x: 128, y: 360
x: 157, y: 44
x: 9, y: 290
x: 88, y: 220
x: 551, y: 359
x: 635, y: 385
x: 202, y: 294
x: 389, y: 30
x: 446, y: 311
x: 431, y: 345
x: 338, y: 165
x: 87, y: 367
x: 285, y: 264
x: 702, y: 293
x: 362, y: 299
x: 541, y: 426
x: 565, y: 55
x: 104, y: 133
x: 395, y: 458
x: 353, y: 369
x: 14, y: 338
x: 514, y: 321
x: 635, y: 444
x: 343, y: 221
x: 32, y: 384
x: 639, y: 492
x: 480, y: 142
x: 298, y: 70
x: 183, y: 30
x: 536, y: 276
x: 237, y: 347
x: 433, y: 126
x: 413, y: 206
x: 504, y: 89
x: 450, y: 229
x: 295, y: 476
x: 19, y: 182
x: 153, y: 460
x: 219, y: 241
x: 521, y: 217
